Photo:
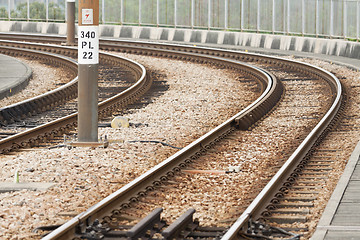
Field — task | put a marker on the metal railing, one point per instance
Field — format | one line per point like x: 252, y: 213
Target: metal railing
x: 319, y: 18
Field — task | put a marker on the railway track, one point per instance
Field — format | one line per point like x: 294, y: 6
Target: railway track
x: 283, y: 208
x: 88, y: 217
x: 37, y: 129
x: 200, y: 58
x: 45, y: 101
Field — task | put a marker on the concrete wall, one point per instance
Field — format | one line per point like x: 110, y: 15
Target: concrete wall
x: 336, y: 47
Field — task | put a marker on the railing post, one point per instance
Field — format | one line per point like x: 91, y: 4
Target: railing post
x: 226, y: 14
x: 139, y: 12
x: 345, y: 18
x: 288, y: 16
x: 192, y: 13
x: 28, y: 10
x: 103, y: 12
x: 175, y: 13
x: 273, y: 16
x: 242, y: 15
x: 317, y: 18
x: 303, y: 17
x: 331, y: 18
x: 157, y: 13
x: 357, y: 21
x: 47, y: 10
x: 122, y: 11
x: 209, y: 14
x: 258, y: 16
x: 9, y: 9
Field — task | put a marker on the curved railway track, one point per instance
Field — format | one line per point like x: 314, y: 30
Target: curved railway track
x: 272, y: 193
x: 58, y: 124
x: 45, y: 101
x: 243, y: 123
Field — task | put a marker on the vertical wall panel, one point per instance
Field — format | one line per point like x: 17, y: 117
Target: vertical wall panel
x: 37, y: 9
x: 166, y: 12
x: 183, y: 12
x: 112, y: 11
x: 234, y: 17
x: 56, y: 10
x: 218, y: 13
x: 280, y: 15
x: 310, y: 17
x: 201, y: 13
x: 3, y: 9
x: 131, y: 11
x: 338, y: 17
x: 351, y: 20
x: 250, y: 14
x: 324, y: 17
x: 148, y: 11
x: 265, y: 18
x: 295, y: 17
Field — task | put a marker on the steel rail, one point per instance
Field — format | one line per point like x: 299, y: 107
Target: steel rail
x: 154, y: 177
x: 283, y: 176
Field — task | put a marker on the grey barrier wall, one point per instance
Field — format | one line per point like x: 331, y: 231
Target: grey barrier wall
x: 336, y: 47
x: 319, y: 18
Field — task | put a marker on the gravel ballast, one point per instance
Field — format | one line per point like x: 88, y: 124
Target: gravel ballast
x: 83, y: 176
x: 189, y: 108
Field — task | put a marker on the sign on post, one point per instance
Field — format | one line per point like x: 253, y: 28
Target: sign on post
x: 87, y: 16
x: 88, y: 52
